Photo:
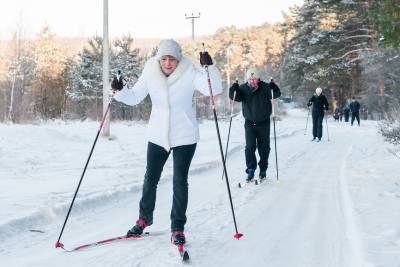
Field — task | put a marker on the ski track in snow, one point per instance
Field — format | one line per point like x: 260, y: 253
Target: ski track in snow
x: 308, y: 218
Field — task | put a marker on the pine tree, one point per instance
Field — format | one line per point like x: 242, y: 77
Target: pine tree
x: 85, y: 87
x: 386, y: 17
x: 327, y: 47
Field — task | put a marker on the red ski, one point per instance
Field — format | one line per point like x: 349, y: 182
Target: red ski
x: 102, y: 242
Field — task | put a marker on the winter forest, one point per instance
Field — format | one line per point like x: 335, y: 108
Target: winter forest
x: 349, y: 47
x: 333, y: 203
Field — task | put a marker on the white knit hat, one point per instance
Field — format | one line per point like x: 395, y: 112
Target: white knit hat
x: 169, y: 47
x: 252, y: 73
x: 318, y: 90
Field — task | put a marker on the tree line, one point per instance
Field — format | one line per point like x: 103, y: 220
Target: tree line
x: 349, y: 48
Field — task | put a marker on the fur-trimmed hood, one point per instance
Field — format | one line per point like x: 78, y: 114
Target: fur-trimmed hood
x: 152, y: 70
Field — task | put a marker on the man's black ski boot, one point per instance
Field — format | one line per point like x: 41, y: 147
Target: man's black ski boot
x: 250, y: 175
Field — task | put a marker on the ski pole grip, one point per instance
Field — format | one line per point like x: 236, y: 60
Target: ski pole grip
x: 205, y: 66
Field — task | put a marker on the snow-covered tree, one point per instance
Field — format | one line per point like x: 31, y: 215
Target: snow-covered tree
x: 19, y: 72
x: 48, y: 89
x: 128, y: 60
x: 326, y: 49
x: 85, y: 88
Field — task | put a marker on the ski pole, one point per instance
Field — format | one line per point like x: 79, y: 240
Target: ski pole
x: 58, y: 243
x: 273, y: 119
x: 327, y: 130
x: 308, y: 115
x: 229, y: 131
x: 237, y: 235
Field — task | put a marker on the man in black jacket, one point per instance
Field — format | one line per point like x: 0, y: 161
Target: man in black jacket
x: 355, y: 111
x: 320, y: 103
x: 256, y: 96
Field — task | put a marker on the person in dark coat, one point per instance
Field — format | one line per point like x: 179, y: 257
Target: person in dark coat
x: 256, y: 96
x: 346, y: 112
x: 355, y: 111
x: 320, y: 104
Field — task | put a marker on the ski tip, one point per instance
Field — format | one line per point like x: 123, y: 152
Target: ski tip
x: 238, y: 235
x: 36, y: 231
x: 185, y: 256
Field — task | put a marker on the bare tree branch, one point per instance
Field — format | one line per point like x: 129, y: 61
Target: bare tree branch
x: 358, y: 36
x: 351, y: 52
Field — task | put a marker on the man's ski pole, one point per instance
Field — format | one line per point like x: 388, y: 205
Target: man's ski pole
x: 229, y: 131
x: 308, y: 115
x: 327, y: 130
x: 237, y: 235
x: 273, y: 119
x: 58, y: 243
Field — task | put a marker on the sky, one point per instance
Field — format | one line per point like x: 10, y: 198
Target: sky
x: 142, y: 19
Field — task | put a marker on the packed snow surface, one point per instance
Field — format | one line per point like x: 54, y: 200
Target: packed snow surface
x: 336, y: 202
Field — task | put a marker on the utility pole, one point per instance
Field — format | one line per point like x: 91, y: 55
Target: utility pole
x: 228, y: 72
x: 192, y: 18
x: 106, y: 90
x: 228, y: 66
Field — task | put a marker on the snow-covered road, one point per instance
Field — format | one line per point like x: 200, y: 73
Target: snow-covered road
x: 336, y: 203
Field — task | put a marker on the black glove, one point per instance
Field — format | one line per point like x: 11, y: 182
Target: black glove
x: 205, y: 59
x: 326, y: 108
x: 117, y: 84
x: 235, y: 85
x: 272, y: 83
x: 309, y: 104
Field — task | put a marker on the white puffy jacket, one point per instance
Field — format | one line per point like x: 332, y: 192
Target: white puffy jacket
x: 173, y: 119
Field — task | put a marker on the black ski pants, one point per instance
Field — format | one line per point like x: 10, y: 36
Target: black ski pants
x: 317, y: 118
x: 257, y: 137
x: 355, y: 115
x: 346, y: 117
x: 156, y: 158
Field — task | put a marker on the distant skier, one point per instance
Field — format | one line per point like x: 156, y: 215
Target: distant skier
x: 336, y: 114
x: 171, y: 80
x: 256, y: 96
x: 355, y: 111
x: 320, y: 104
x: 346, y: 112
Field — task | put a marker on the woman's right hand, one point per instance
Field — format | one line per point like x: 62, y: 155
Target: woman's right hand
x: 118, y: 83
